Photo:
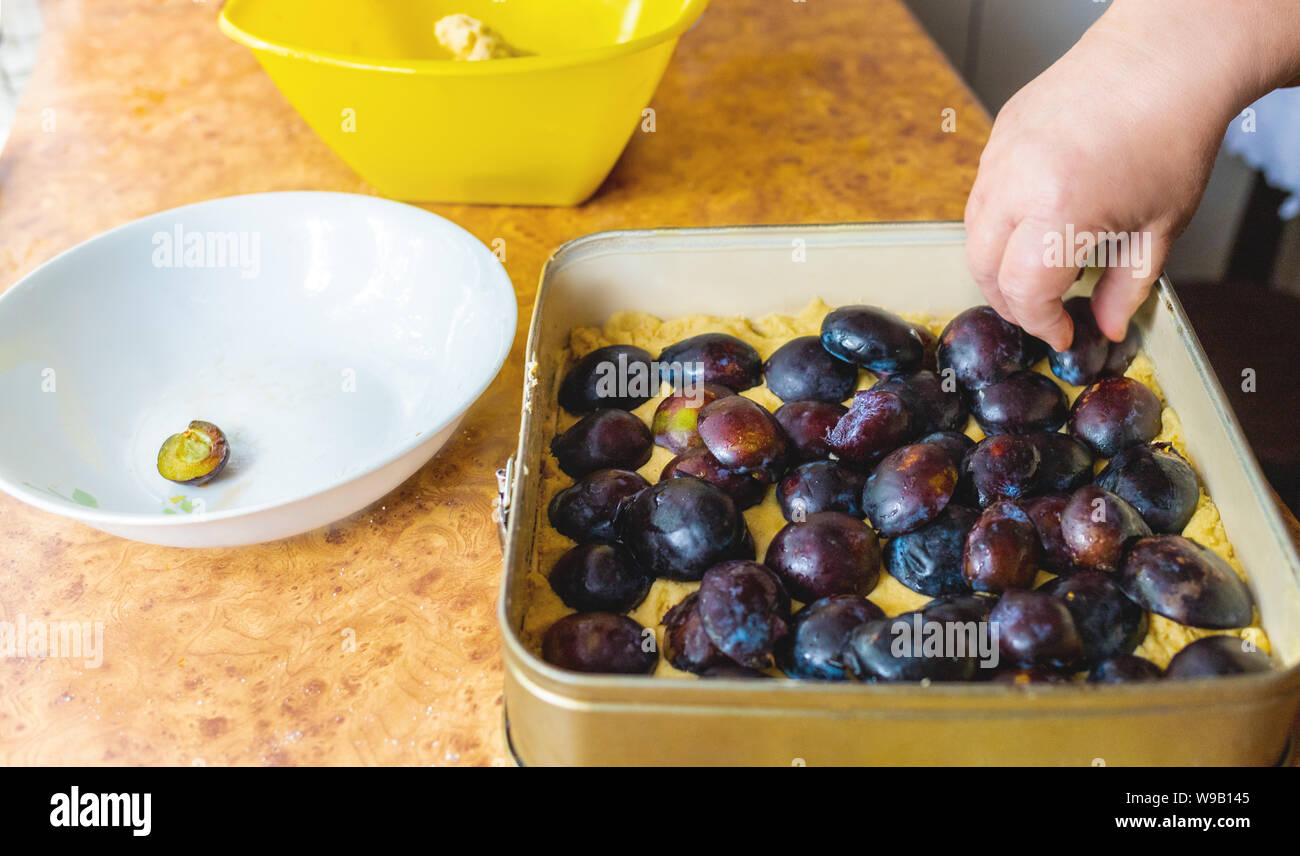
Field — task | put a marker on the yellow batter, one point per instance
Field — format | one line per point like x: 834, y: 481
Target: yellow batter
x: 1163, y: 640
x: 470, y: 40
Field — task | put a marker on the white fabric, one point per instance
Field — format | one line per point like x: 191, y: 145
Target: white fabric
x: 1269, y: 140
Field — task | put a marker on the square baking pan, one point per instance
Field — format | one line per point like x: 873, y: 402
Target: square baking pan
x: 560, y: 717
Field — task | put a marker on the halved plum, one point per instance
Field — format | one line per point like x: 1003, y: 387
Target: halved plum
x: 1065, y: 464
x: 929, y: 560
x: 1001, y: 550
x: 1108, y: 622
x: 878, y: 422
x: 1036, y: 629
x: 615, y: 376
x: 1085, y: 359
x: 599, y: 578
x: 1217, y: 656
x: 909, y: 488
x: 743, y: 436
x: 803, y: 369
x: 960, y: 608
x: 1115, y: 413
x: 1175, y: 577
x: 676, y: 420
x: 711, y: 358
x: 1097, y: 526
x: 820, y: 486
x: 981, y: 348
x: 601, y: 642
x: 870, y: 337
x: 1020, y: 403
x: 890, y: 650
x: 1122, y: 352
x: 679, y: 528
x: 195, y: 456
x: 745, y: 611
x: 686, y: 645
x: 936, y: 404
x: 1004, y: 466
x: 1157, y: 481
x: 829, y: 553
x: 818, y: 633
x: 603, y: 439
x: 954, y: 443
x: 586, y: 510
x: 1124, y: 669
x: 808, y: 424
x: 747, y: 489
x: 1045, y: 511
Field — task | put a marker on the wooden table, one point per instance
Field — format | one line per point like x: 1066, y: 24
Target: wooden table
x: 771, y: 112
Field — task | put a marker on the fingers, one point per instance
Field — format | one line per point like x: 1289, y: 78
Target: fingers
x: 986, y: 239
x: 1123, y: 287
x: 1032, y: 287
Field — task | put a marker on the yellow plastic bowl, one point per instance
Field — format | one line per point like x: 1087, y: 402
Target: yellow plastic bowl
x: 371, y: 79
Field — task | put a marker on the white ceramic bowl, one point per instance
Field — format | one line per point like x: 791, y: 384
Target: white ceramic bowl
x: 336, y: 339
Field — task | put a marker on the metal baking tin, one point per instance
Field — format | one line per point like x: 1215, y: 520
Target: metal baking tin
x: 560, y: 717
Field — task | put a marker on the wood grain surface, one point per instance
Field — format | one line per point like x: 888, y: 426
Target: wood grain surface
x: 771, y: 112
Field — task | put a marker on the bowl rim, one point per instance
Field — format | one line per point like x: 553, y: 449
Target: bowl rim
x: 690, y: 12
x: 498, y: 280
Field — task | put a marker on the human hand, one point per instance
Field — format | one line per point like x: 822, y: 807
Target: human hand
x: 1117, y: 137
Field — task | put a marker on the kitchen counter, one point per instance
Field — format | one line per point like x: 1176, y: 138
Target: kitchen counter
x: 374, y: 641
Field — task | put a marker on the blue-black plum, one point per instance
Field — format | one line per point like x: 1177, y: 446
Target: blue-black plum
x: 803, y: 369
x: 1097, y: 526
x: 878, y: 422
x: 587, y: 509
x: 870, y: 337
x: 936, y: 405
x: 821, y: 486
x: 807, y: 424
x: 1115, y: 413
x: 599, y: 578
x: 1001, y: 550
x: 603, y: 439
x: 818, y: 633
x: 893, y: 649
x: 1085, y: 359
x: 1175, y: 577
x: 1157, y: 481
x: 711, y: 358
x: 929, y: 560
x: 1021, y: 403
x: 1108, y: 622
x: 745, y: 611
x: 615, y: 376
x: 1124, y: 669
x: 681, y: 527
x: 1036, y: 629
x: 1217, y: 656
x: 600, y: 642
x: 829, y: 553
x: 981, y: 348
x: 909, y: 488
x: 746, y: 489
